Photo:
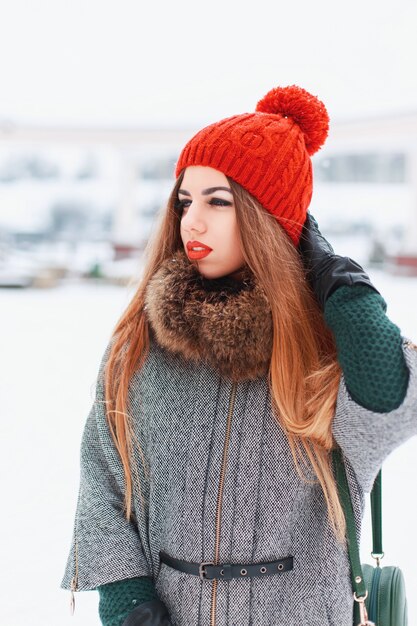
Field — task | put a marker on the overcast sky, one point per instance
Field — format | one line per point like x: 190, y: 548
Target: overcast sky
x: 151, y: 63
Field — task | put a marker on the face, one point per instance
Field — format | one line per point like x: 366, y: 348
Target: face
x: 208, y: 220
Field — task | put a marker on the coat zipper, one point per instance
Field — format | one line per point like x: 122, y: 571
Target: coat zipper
x: 219, y: 502
x: 74, y: 580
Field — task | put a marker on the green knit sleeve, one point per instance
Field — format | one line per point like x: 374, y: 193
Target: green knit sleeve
x: 369, y: 347
x: 119, y: 598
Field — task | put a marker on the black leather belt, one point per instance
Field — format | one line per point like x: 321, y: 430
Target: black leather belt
x: 225, y: 571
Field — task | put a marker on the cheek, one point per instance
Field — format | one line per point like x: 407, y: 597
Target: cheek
x: 235, y: 238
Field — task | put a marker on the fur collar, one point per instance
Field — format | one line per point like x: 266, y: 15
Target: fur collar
x: 223, y: 321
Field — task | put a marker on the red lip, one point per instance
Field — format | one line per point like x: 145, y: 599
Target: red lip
x: 197, y: 254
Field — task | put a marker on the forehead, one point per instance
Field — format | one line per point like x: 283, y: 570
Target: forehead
x: 200, y: 176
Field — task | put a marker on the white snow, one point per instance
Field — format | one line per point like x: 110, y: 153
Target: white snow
x: 52, y: 342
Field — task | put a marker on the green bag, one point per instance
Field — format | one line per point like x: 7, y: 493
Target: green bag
x: 379, y: 593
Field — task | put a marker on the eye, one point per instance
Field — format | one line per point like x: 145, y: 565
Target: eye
x: 180, y: 204
x: 184, y: 204
x: 220, y: 202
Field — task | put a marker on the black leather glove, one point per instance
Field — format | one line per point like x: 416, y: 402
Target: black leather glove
x: 152, y: 613
x: 325, y: 270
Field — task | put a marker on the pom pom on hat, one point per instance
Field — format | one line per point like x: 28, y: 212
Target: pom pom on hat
x: 266, y: 154
x: 307, y: 111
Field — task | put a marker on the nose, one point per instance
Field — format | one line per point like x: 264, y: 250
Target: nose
x: 194, y: 220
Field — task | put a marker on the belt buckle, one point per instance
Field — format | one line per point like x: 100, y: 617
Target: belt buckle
x: 201, y: 571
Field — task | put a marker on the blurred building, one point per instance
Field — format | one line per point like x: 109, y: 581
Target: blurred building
x: 367, y: 174
x: 111, y: 184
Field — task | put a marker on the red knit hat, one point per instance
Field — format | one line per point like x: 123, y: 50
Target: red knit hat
x: 267, y: 152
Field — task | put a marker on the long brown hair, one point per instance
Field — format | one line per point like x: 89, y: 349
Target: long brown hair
x: 304, y: 373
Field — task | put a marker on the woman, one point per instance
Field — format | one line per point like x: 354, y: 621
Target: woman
x: 249, y: 351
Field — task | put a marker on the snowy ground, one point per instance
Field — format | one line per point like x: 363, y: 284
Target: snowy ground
x: 52, y: 342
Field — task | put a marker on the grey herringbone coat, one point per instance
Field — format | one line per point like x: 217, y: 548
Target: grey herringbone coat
x: 182, y: 410
x: 220, y: 478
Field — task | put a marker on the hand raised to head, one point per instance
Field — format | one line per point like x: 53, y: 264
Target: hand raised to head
x: 325, y: 270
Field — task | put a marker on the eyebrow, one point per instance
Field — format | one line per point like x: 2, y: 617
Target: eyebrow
x: 206, y: 192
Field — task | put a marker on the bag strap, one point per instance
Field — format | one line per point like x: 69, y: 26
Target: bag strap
x: 358, y: 582
x: 376, y: 511
x: 376, y: 504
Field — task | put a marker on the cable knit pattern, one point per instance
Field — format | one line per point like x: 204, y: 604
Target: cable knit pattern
x: 120, y: 598
x: 369, y: 347
x: 267, y: 152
